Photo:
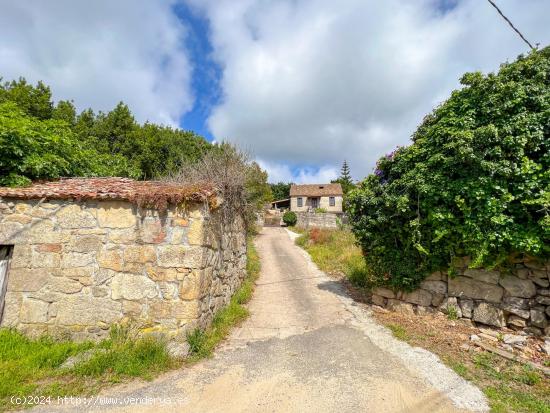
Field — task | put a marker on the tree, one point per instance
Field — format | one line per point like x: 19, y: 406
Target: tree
x: 65, y: 111
x: 475, y: 181
x: 33, y: 100
x: 31, y: 148
x: 345, y: 179
x: 280, y: 190
x: 149, y: 150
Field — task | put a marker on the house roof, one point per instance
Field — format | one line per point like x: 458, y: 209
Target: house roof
x: 316, y: 190
x: 153, y: 194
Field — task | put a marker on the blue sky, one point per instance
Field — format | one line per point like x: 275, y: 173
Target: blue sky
x: 206, y: 72
x: 301, y: 84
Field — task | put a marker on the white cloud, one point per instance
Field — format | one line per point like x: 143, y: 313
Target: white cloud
x: 315, y: 82
x: 281, y: 172
x: 100, y: 52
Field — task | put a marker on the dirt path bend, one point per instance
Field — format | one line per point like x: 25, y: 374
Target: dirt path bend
x: 307, y: 347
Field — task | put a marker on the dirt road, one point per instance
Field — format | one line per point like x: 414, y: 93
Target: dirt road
x: 307, y: 347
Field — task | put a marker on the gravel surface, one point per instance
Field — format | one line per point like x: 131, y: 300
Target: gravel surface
x: 307, y: 347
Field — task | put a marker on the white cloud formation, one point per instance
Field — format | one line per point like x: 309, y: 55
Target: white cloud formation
x: 282, y: 172
x: 100, y: 52
x: 315, y: 82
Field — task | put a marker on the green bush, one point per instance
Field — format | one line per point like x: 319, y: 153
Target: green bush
x: 320, y: 210
x: 475, y: 180
x: 290, y: 218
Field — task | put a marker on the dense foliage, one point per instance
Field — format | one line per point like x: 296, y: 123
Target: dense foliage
x: 42, y: 140
x: 280, y: 190
x: 32, y: 148
x: 290, y: 218
x: 475, y: 181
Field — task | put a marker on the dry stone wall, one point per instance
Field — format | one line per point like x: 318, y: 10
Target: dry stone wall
x: 79, y: 267
x: 318, y: 220
x: 518, y: 298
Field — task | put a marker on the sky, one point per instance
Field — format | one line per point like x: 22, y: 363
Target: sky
x: 301, y: 84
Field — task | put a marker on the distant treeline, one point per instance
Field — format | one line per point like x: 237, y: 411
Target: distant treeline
x: 40, y: 140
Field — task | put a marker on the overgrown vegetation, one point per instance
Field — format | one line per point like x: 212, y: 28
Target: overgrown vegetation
x: 203, y: 343
x: 335, y: 252
x: 240, y: 182
x: 40, y: 140
x: 33, y: 367
x: 475, y: 181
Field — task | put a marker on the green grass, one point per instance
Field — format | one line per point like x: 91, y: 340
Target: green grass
x: 335, y: 251
x: 33, y: 366
x: 398, y: 332
x: 203, y: 343
x: 452, y: 312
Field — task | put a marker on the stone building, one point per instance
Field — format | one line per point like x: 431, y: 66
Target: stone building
x: 304, y: 198
x: 82, y: 254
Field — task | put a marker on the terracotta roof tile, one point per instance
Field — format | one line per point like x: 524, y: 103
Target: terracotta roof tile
x: 155, y: 194
x: 316, y: 190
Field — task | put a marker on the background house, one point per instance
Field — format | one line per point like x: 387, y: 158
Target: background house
x: 309, y: 197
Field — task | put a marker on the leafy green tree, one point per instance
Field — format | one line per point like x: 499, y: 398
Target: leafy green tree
x: 160, y: 150
x: 280, y: 190
x: 120, y: 145
x: 475, y: 180
x: 33, y: 100
x: 258, y: 190
x: 31, y: 148
x: 65, y: 111
x: 115, y: 127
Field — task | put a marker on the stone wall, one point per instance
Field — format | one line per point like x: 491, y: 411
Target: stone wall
x: 518, y: 298
x: 78, y: 267
x: 318, y: 220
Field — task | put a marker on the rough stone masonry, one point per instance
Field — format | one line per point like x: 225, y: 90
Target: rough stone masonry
x: 518, y: 297
x: 86, y: 253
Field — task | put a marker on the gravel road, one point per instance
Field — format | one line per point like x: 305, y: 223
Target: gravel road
x: 307, y: 347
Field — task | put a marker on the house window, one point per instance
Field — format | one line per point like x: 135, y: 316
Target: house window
x: 300, y: 202
x: 332, y: 201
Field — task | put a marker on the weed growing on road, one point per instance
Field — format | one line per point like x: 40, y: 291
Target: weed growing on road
x: 203, y: 343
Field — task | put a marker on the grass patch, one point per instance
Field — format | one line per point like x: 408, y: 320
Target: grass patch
x: 335, y: 252
x: 398, y: 332
x: 32, y: 367
x: 203, y: 343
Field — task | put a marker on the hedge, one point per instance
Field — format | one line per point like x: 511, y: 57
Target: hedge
x: 475, y: 181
